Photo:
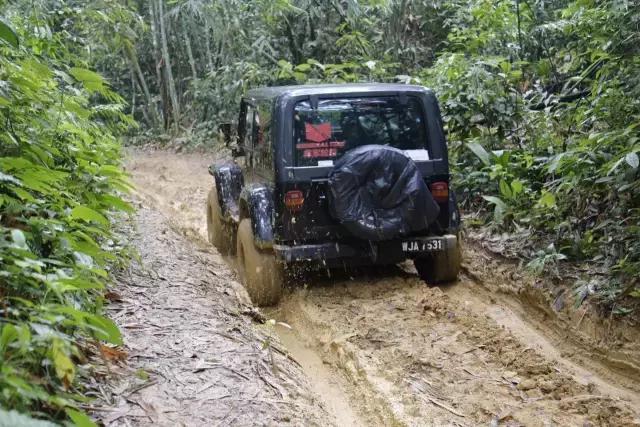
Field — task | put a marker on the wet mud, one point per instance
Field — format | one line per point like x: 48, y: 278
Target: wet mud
x: 379, y: 347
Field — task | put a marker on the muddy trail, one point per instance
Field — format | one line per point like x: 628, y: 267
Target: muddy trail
x: 378, y: 347
x: 193, y: 355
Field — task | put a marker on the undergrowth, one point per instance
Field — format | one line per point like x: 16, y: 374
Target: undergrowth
x: 544, y: 127
x: 60, y: 177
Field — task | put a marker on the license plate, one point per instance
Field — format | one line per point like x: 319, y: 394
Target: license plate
x: 426, y: 245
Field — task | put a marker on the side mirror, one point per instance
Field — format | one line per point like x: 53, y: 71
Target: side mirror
x: 228, y: 132
x: 225, y: 129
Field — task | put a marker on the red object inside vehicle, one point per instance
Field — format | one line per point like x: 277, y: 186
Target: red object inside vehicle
x: 317, y: 132
x: 313, y: 153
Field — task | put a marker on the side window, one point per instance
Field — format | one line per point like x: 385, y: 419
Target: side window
x: 263, y: 141
x: 249, y: 128
x: 246, y: 133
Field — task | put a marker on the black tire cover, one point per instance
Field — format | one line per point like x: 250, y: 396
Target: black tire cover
x: 378, y: 193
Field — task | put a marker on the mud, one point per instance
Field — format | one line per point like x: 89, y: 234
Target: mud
x: 381, y: 348
x: 193, y: 354
x: 608, y: 345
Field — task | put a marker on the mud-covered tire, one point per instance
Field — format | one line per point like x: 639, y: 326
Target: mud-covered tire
x: 442, y: 267
x: 220, y: 234
x: 261, y: 274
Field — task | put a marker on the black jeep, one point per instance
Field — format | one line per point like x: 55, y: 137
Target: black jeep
x: 335, y: 175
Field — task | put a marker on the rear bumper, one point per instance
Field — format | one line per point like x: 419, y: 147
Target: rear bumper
x: 386, y: 252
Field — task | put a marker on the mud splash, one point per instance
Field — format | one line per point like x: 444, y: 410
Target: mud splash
x: 390, y: 351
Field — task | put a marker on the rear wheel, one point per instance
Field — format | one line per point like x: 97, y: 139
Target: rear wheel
x: 219, y: 233
x: 261, y: 274
x: 441, y: 267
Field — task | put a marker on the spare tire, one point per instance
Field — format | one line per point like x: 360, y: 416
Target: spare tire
x: 378, y: 193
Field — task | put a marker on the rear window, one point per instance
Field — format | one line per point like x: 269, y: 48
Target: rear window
x: 322, y: 135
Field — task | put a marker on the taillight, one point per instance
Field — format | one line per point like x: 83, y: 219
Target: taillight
x: 440, y: 191
x: 294, y: 200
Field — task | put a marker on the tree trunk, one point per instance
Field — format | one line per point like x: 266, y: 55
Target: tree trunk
x: 207, y: 44
x: 150, y: 110
x: 187, y: 42
x: 294, y: 47
x: 158, y: 60
x: 166, y: 59
x: 133, y: 95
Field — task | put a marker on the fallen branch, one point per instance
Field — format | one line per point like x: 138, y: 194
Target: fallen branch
x: 443, y: 406
x: 141, y: 387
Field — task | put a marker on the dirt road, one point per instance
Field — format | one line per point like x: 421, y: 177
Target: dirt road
x: 380, y: 348
x: 194, y: 356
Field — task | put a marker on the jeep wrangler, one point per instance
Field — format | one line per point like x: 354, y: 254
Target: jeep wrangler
x: 335, y: 175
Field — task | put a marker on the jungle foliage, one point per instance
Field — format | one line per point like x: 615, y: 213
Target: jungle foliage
x: 542, y: 104
x: 59, y: 184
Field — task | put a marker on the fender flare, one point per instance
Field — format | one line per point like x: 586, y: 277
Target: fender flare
x: 256, y: 203
x: 229, y: 180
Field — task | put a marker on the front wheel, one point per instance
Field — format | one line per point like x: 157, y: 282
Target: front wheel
x: 441, y: 267
x: 261, y: 274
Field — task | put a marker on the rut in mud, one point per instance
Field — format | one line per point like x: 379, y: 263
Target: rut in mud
x: 381, y: 348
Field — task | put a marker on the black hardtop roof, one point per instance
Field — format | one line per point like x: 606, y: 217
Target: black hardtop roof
x: 331, y: 89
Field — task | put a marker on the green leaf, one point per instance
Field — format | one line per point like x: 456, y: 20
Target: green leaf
x: 555, y: 162
x: 285, y: 65
x: 87, y: 214
x: 547, y: 200
x: 9, y: 334
x: 303, y: 68
x: 500, y: 207
x: 80, y: 419
x: 315, y: 63
x: 479, y: 151
x: 142, y: 374
x: 505, y: 190
x: 110, y: 170
x: 632, y: 160
x: 8, y: 35
x: 22, y: 194
x: 65, y: 369
x: 615, y: 165
x: 516, y: 187
x: 93, y: 82
x: 105, y: 329
x: 19, y: 239
x: 117, y: 203
x: 496, y: 201
x: 102, y: 327
x: 16, y: 419
x: 78, y: 284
